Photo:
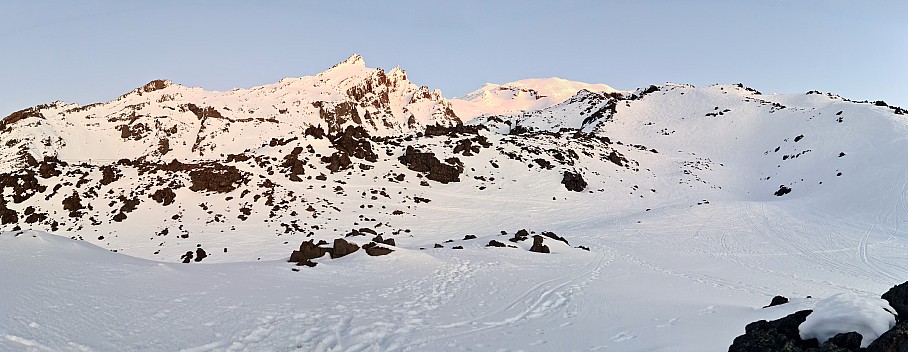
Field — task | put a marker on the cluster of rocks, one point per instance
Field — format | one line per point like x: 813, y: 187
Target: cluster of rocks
x: 434, y: 169
x: 783, y: 334
x: 519, y: 236
x: 310, y: 250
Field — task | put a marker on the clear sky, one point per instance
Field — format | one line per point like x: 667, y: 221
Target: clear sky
x: 90, y: 51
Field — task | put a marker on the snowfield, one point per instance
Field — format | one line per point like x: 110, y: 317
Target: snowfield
x: 683, y: 210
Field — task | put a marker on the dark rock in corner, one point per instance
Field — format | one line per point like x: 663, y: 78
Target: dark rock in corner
x: 777, y: 300
x: 573, y: 181
x: 776, y: 335
x: 538, y: 247
x: 894, y: 340
x: 897, y: 296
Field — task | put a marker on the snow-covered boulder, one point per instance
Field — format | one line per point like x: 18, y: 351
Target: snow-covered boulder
x: 868, y: 316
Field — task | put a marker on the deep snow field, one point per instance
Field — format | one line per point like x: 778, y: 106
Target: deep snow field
x: 682, y: 279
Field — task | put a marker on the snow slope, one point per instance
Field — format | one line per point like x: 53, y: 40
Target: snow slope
x: 687, y: 236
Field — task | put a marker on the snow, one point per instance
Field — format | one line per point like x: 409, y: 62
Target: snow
x: 684, y: 250
x: 844, y: 312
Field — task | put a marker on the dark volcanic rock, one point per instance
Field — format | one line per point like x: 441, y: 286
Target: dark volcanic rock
x: 453, y: 131
x: 354, y: 141
x: 164, y: 196
x: 615, y: 158
x: 538, y: 247
x: 494, y: 243
x: 897, y: 296
x: 782, y: 191
x: 215, y: 178
x: 317, y: 132
x: 573, y: 181
x: 379, y: 239
x: 293, y: 165
x: 375, y: 250
x: 337, y: 161
x: 308, y: 250
x: 108, y: 175
x: 847, y: 341
x: 894, y: 340
x: 342, y: 248
x: 187, y: 258
x: 7, y: 216
x: 776, y: 335
x: 200, y: 254
x: 553, y: 236
x: 73, y: 203
x: 434, y: 169
x: 777, y: 300
x: 521, y: 235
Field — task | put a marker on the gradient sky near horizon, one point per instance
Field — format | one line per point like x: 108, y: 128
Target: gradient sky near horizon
x: 91, y: 51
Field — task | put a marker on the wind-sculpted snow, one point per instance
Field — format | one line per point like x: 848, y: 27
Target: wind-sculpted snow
x: 664, y: 217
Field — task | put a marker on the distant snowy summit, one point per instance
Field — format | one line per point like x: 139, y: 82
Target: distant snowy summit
x: 523, y: 95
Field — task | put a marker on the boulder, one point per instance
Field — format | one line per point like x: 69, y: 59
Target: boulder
x: 777, y: 300
x: 897, y: 296
x: 521, y: 235
x: 373, y: 249
x: 777, y: 335
x: 342, y: 248
x: 538, y: 247
x: 434, y: 169
x: 494, y: 243
x: 573, y: 182
x: 308, y: 250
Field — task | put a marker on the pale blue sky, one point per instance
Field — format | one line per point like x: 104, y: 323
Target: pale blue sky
x: 90, y: 51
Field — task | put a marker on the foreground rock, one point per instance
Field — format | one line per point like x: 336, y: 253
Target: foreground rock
x: 795, y: 332
x: 776, y: 335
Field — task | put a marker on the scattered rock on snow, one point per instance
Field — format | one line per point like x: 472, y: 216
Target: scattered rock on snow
x: 777, y: 300
x: 538, y: 247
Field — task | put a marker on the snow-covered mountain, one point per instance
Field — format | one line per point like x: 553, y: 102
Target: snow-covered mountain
x: 523, y: 95
x: 164, y: 121
x: 694, y: 206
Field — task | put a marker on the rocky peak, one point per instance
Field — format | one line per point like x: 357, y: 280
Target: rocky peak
x: 353, y: 60
x: 157, y: 84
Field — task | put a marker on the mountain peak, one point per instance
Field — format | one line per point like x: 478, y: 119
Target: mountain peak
x: 353, y: 60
